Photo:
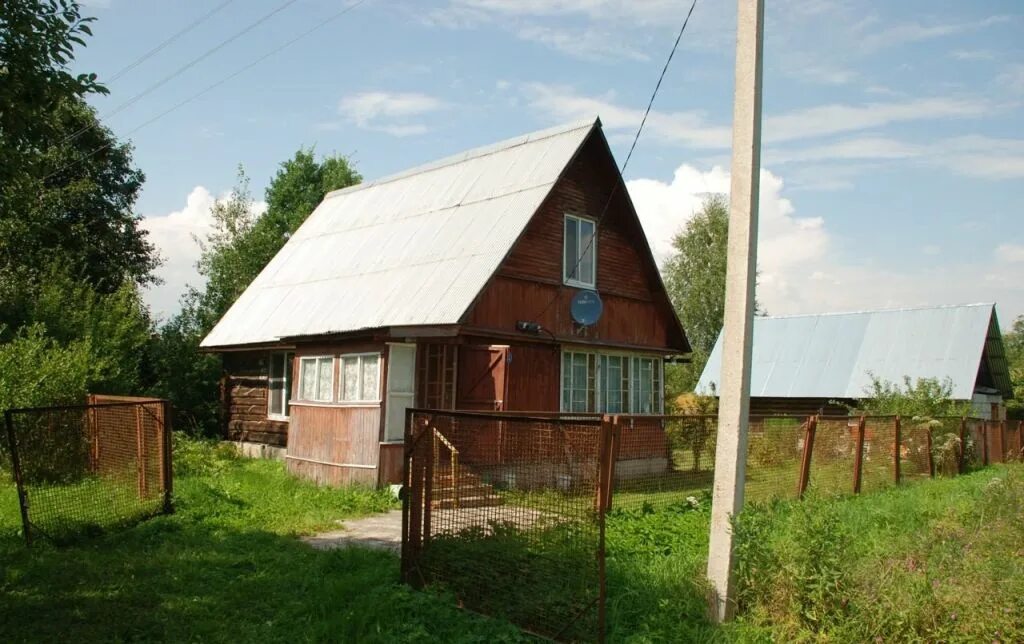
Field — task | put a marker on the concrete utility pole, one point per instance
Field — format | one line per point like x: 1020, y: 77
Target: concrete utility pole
x: 741, y: 274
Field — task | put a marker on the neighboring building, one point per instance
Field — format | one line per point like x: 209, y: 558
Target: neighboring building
x: 808, y: 364
x: 449, y: 287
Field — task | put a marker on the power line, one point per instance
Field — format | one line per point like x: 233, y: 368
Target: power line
x: 181, y: 70
x: 625, y: 164
x: 181, y: 32
x: 213, y: 86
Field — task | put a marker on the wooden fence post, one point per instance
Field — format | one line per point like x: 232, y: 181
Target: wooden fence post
x: 805, y: 461
x: 167, y: 457
x: 1001, y: 430
x: 140, y: 452
x: 931, y: 459
x: 963, y: 444
x: 897, y: 448
x: 984, y: 442
x: 858, y: 458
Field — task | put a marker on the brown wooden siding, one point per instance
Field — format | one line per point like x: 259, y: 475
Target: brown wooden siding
x: 334, y: 444
x: 528, y: 284
x: 760, y: 406
x: 533, y: 378
x: 392, y: 463
x: 245, y: 400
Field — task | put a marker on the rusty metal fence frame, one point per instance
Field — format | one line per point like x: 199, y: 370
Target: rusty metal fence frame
x: 646, y: 463
x: 89, y: 430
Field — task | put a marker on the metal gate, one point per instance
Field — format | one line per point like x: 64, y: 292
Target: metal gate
x: 83, y: 469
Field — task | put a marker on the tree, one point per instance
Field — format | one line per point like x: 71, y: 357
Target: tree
x: 695, y: 279
x: 78, y: 207
x: 233, y: 254
x: 1013, y: 340
x: 37, y: 39
x: 925, y: 398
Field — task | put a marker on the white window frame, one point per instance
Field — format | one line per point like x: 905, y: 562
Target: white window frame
x: 284, y: 379
x: 578, y: 254
x: 630, y: 362
x: 315, y: 361
x: 362, y: 398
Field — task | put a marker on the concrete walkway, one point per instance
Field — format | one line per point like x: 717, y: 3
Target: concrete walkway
x: 380, y: 531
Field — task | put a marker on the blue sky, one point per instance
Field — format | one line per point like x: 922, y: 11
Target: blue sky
x: 893, y: 139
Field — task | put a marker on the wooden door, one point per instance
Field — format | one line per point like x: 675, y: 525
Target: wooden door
x: 482, y: 378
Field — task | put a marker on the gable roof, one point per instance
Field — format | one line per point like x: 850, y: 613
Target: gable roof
x: 834, y: 355
x: 410, y: 249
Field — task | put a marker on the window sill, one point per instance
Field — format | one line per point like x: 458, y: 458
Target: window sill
x: 575, y: 284
x: 314, y: 403
x: 278, y: 418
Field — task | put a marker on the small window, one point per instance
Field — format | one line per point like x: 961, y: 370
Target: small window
x: 579, y: 248
x: 316, y: 378
x: 360, y: 378
x: 279, y: 385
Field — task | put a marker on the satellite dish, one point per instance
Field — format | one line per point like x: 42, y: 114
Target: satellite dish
x: 586, y: 307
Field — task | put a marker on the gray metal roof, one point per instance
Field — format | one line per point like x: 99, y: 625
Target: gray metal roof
x: 834, y: 355
x: 410, y: 249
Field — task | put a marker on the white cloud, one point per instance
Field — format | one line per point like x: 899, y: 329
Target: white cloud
x: 692, y: 128
x: 911, y: 32
x: 174, y: 236
x: 1012, y: 78
x: 802, y: 266
x: 585, y: 44
x: 389, y: 112
x: 972, y: 54
x: 1010, y: 253
x: 787, y: 244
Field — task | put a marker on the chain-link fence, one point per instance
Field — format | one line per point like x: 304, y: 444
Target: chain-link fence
x: 82, y: 469
x: 501, y: 511
x: 509, y: 512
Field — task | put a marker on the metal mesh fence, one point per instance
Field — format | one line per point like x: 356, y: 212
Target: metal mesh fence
x: 86, y: 468
x: 509, y: 512
x: 504, y: 512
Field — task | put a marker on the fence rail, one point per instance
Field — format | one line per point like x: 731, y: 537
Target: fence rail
x: 86, y: 468
x: 499, y: 505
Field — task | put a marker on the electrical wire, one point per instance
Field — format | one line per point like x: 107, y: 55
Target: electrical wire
x: 181, y: 32
x: 625, y: 164
x: 181, y: 70
x: 213, y: 86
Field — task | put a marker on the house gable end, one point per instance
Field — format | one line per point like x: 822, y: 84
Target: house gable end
x: 528, y: 284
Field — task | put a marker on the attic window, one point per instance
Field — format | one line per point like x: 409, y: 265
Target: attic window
x: 579, y: 250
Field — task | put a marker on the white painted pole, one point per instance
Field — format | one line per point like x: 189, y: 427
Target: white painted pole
x: 741, y: 274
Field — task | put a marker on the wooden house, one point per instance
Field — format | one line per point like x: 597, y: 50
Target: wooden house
x: 450, y: 286
x: 808, y: 364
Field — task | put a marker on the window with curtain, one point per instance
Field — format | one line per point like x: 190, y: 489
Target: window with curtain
x: 360, y: 378
x: 579, y: 251
x: 611, y: 383
x: 316, y: 378
x: 279, y: 384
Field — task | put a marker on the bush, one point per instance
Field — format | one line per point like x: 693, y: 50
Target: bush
x: 36, y: 371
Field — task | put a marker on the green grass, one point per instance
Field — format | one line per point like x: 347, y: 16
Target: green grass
x: 933, y: 561
x: 226, y: 567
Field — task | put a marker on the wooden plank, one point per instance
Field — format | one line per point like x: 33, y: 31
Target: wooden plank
x: 805, y: 459
x: 858, y: 458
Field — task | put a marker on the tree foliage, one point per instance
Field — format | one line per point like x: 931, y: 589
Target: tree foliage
x: 37, y: 40
x: 240, y: 245
x: 72, y: 256
x: 1013, y: 340
x: 923, y: 398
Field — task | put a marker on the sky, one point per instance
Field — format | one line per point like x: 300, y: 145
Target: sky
x: 893, y: 133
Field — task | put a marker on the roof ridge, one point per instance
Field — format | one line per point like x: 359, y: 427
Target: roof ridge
x: 471, y: 154
x: 867, y: 311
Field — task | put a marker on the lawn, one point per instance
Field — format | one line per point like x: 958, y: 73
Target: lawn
x: 941, y: 560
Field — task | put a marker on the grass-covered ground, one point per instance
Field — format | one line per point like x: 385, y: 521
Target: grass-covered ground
x: 934, y: 561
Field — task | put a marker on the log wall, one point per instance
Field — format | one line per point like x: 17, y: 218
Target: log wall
x: 245, y: 400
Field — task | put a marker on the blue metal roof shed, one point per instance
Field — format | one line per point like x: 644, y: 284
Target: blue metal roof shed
x: 835, y: 355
